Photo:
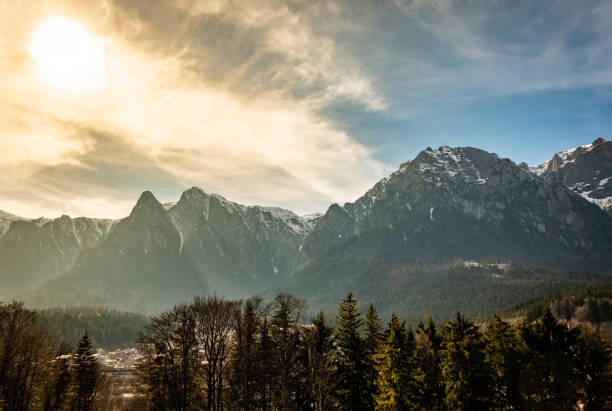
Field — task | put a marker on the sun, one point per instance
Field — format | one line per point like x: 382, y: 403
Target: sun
x: 66, y: 55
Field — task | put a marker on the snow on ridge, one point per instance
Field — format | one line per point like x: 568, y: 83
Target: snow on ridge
x: 565, y: 157
x: 451, y: 162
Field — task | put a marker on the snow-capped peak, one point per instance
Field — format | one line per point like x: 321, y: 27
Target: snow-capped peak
x: 436, y: 165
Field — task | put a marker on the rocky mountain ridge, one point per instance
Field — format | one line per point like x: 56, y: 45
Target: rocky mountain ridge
x: 586, y: 170
x: 32, y: 251
x: 447, y: 204
x: 469, y: 184
x: 161, y: 254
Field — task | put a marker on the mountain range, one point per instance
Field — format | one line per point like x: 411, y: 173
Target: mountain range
x: 451, y: 217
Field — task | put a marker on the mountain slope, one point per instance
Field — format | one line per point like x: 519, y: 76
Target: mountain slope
x: 238, y: 249
x: 586, y: 170
x: 163, y: 254
x: 448, y: 204
x: 136, y: 267
x: 33, y: 251
x: 466, y: 203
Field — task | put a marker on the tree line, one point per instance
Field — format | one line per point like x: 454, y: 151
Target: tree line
x: 218, y: 354
x: 37, y: 372
x: 107, y: 329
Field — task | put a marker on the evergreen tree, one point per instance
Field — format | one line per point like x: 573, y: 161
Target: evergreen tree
x: 245, y: 372
x: 87, y: 376
x: 372, y: 339
x: 503, y: 354
x: 395, y: 367
x: 465, y: 374
x: 285, y: 333
x: 352, y: 366
x: 549, y: 376
x: 595, y: 373
x: 428, y: 375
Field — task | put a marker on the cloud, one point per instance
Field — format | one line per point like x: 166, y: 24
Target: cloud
x: 242, y: 97
x: 507, y: 47
x: 157, y: 121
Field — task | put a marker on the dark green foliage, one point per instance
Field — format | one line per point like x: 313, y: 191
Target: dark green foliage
x: 373, y: 336
x: 418, y: 290
x: 428, y: 374
x: 285, y: 332
x: 549, y: 376
x: 87, y: 377
x: 395, y: 365
x: 352, y: 366
x: 591, y: 304
x: 108, y: 329
x: 465, y: 374
x: 593, y: 357
x: 219, y: 354
x: 246, y: 376
x: 504, y: 356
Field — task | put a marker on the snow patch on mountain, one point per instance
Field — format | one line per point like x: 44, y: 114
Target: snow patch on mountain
x: 560, y: 159
x: 586, y: 170
x: 438, y: 165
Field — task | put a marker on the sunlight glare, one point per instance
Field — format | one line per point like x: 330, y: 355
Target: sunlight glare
x: 67, y: 56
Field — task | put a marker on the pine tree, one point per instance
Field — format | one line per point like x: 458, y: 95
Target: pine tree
x: 428, y: 374
x: 352, y: 367
x: 549, y: 377
x: 372, y: 339
x: 395, y: 367
x: 87, y: 376
x: 465, y: 374
x: 503, y: 354
x: 595, y: 375
x: 285, y: 332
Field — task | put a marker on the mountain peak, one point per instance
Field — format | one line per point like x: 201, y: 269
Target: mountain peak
x: 193, y: 193
x: 145, y: 198
x: 147, y: 202
x: 586, y: 170
x: 597, y: 142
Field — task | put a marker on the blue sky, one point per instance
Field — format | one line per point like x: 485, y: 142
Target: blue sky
x: 295, y: 103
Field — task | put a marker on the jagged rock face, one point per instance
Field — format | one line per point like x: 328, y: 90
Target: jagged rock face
x: 160, y: 255
x: 5, y: 222
x: 464, y: 203
x: 32, y: 252
x: 136, y: 267
x: 586, y: 170
x: 238, y: 249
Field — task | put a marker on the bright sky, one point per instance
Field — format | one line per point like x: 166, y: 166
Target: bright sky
x: 295, y: 104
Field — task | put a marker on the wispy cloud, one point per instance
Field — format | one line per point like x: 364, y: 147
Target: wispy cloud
x: 160, y: 122
x: 240, y: 97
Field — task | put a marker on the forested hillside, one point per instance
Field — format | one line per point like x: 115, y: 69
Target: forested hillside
x: 108, y: 329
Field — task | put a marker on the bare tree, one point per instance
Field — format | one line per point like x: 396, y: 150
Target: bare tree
x: 321, y: 364
x: 26, y: 352
x: 169, y: 364
x: 213, y: 318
